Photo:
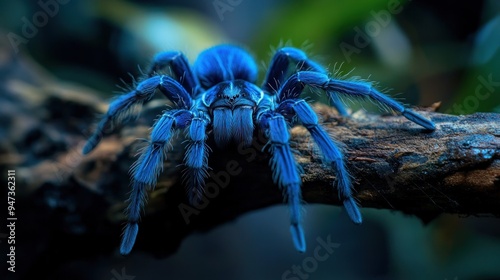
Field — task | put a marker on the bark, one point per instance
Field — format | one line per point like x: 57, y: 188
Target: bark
x: 395, y: 164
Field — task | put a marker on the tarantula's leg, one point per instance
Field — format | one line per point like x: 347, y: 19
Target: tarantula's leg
x: 337, y: 103
x: 285, y: 171
x: 122, y: 106
x: 147, y: 168
x: 278, y: 71
x: 293, y: 87
x: 179, y: 64
x: 331, y: 154
x: 196, y: 158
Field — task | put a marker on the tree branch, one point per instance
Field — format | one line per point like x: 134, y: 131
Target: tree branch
x: 395, y: 165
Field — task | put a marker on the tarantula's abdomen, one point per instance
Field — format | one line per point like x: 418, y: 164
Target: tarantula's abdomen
x: 233, y: 124
x: 224, y: 63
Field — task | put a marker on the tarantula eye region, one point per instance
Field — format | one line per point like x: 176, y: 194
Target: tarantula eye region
x: 232, y: 93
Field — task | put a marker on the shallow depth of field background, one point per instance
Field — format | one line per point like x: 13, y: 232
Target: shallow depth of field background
x: 420, y: 51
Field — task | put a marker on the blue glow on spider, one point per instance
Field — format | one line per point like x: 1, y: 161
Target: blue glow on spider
x: 219, y: 95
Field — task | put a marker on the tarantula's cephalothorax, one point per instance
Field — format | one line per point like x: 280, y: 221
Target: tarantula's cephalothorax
x: 220, y: 96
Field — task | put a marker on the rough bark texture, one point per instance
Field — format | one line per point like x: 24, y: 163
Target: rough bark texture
x: 78, y: 200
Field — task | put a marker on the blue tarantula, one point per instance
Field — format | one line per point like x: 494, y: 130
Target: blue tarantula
x: 218, y: 96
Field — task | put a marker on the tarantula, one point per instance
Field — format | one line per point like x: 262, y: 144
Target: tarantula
x: 219, y: 97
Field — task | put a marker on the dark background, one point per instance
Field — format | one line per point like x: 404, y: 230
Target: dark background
x: 427, y: 51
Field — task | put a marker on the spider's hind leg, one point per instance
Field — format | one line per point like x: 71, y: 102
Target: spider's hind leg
x: 278, y: 71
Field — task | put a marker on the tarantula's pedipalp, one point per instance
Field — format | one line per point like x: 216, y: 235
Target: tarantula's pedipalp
x: 278, y: 71
x: 293, y: 87
x: 196, y: 159
x: 218, y: 98
x: 122, y: 106
x: 285, y: 171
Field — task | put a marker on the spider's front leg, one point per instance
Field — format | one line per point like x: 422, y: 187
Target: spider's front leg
x: 293, y: 87
x: 331, y: 154
x: 147, y: 168
x: 123, y: 105
x: 285, y: 171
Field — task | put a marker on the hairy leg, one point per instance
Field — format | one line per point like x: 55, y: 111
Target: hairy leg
x: 285, y: 172
x: 331, y: 154
x: 196, y: 159
x: 147, y: 168
x: 179, y: 65
x: 293, y: 87
x: 278, y: 71
x: 122, y: 106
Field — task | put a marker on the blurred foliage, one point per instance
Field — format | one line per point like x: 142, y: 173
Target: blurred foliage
x: 484, y: 64
x: 422, y: 61
x: 312, y: 21
x: 432, y: 51
x: 325, y: 23
x: 156, y: 30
